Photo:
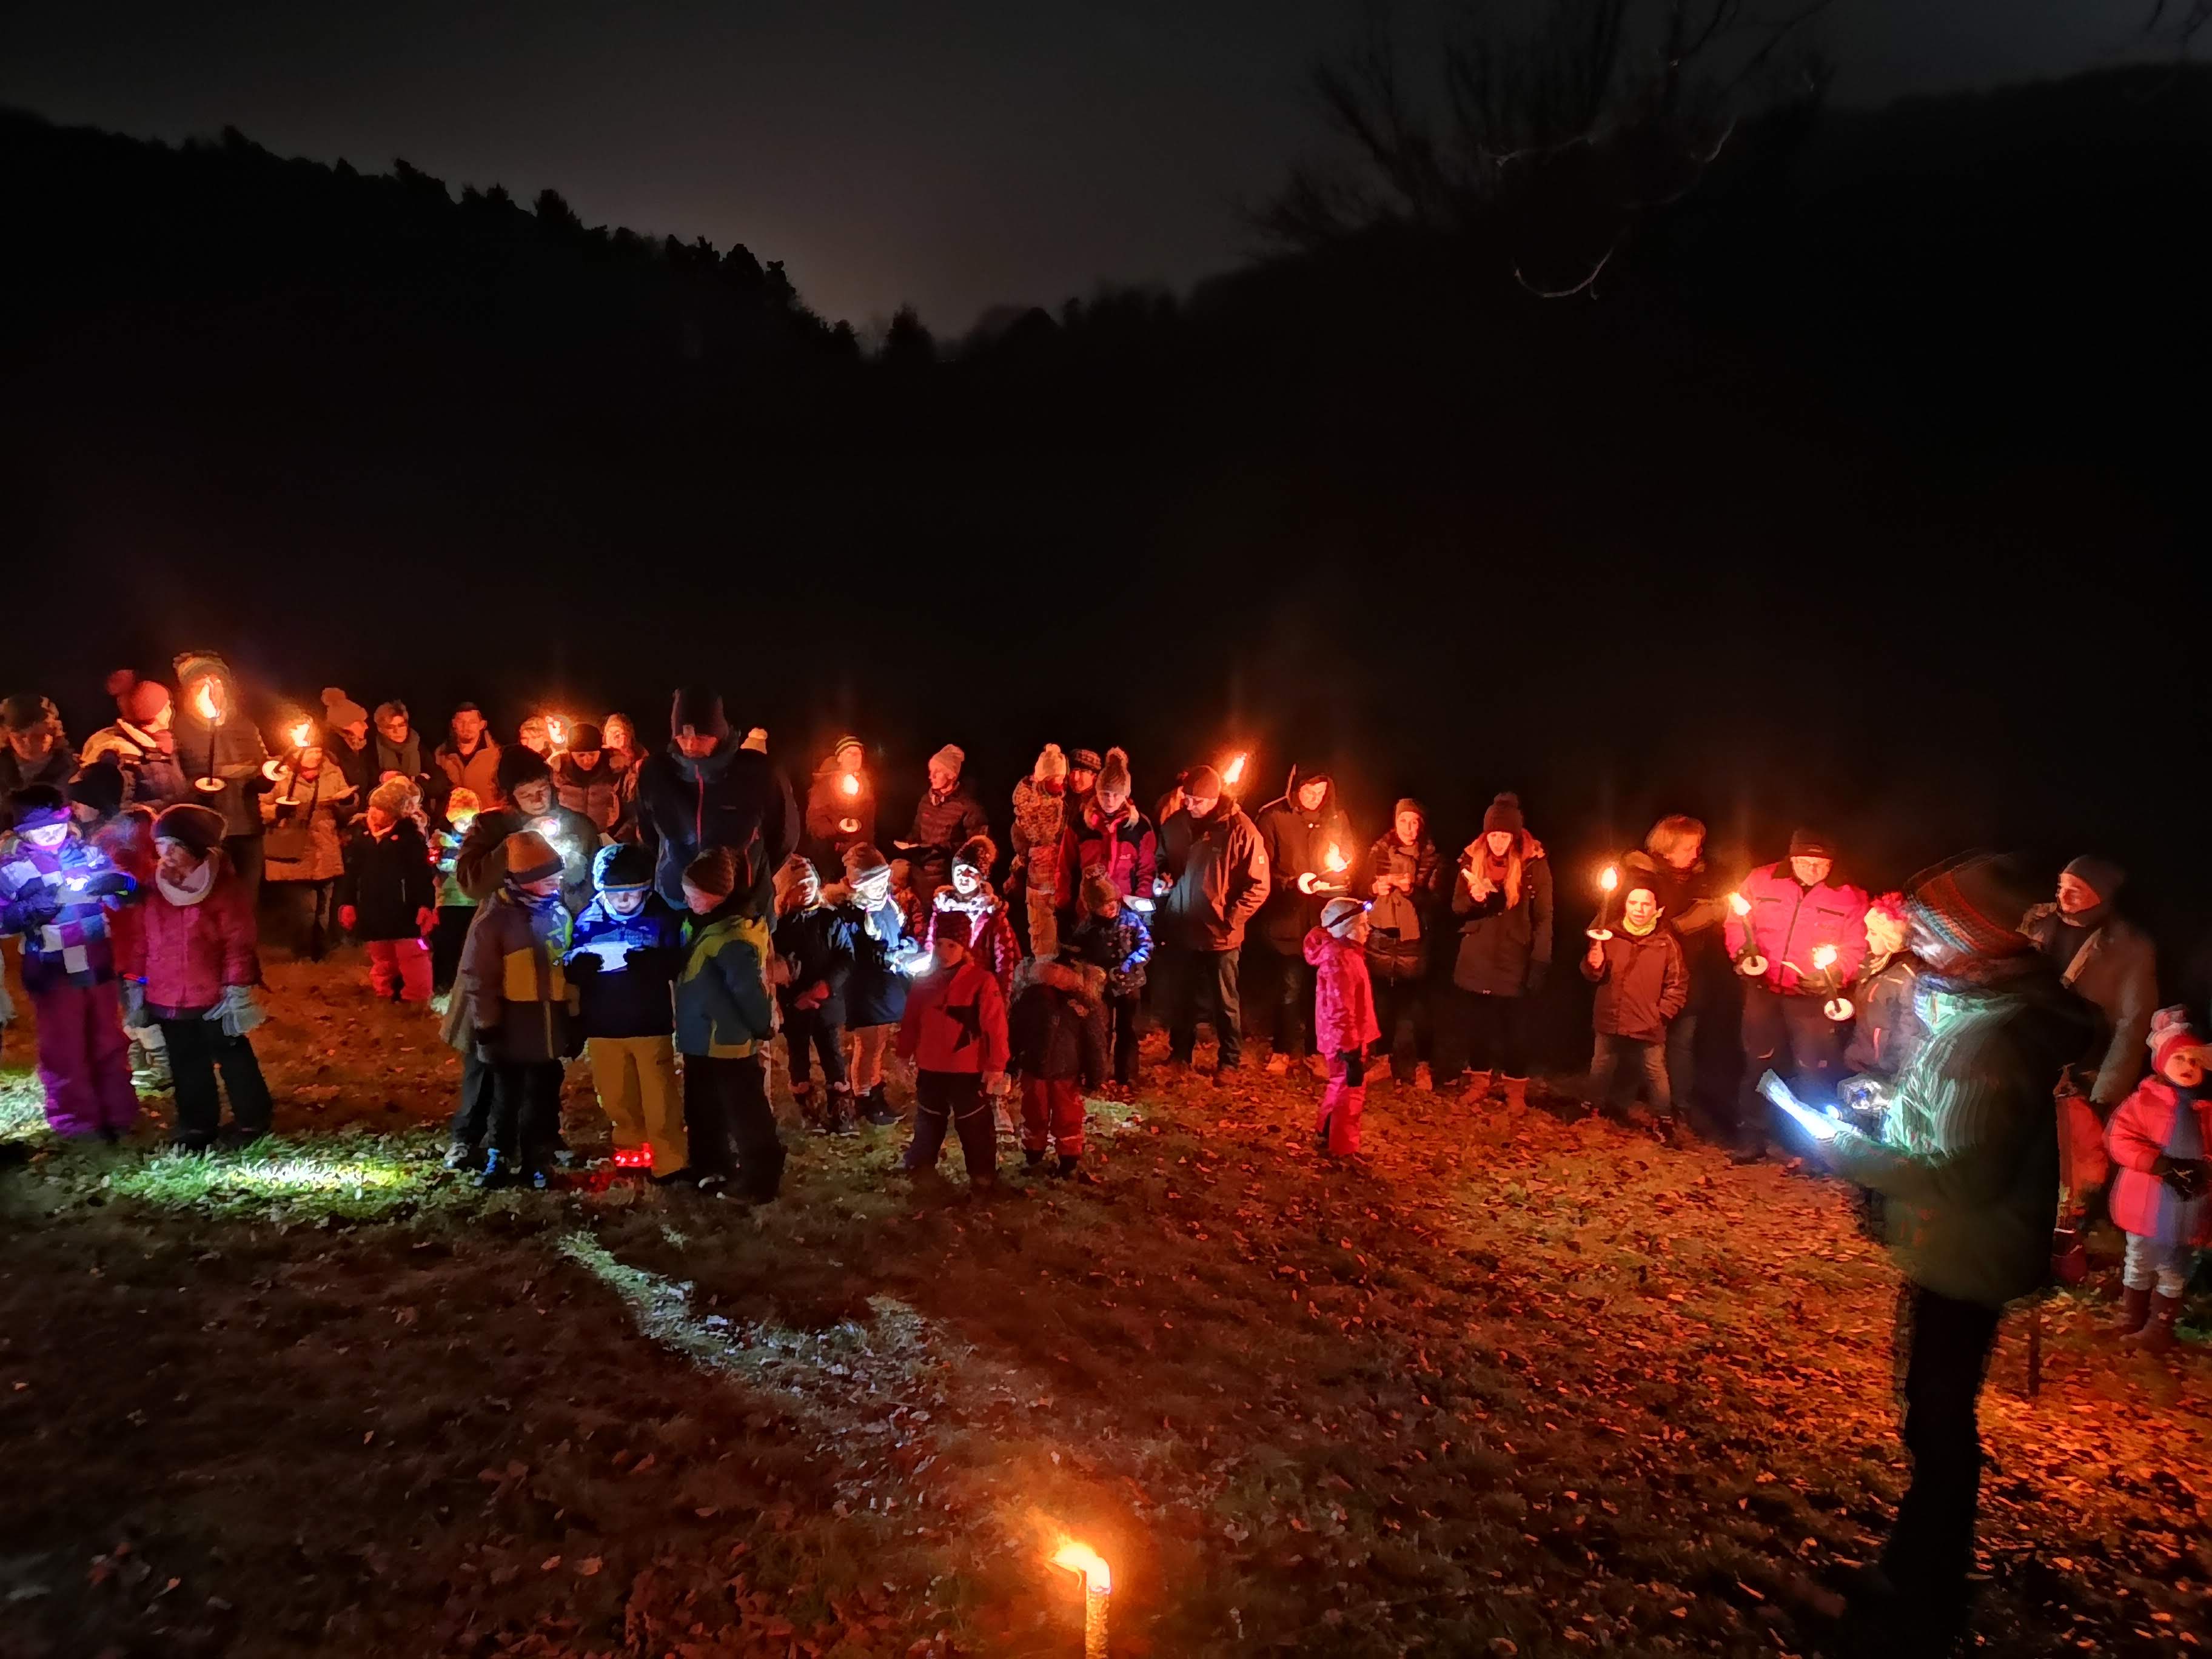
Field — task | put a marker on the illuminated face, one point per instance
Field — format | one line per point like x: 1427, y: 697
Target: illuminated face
x: 942, y: 777
x: 176, y: 861
x: 1499, y: 842
x: 967, y: 880
x: 380, y: 821
x: 394, y: 728
x: 47, y: 835
x: 1312, y: 794
x: 809, y: 890
x: 2185, y: 1070
x: 161, y: 721
x: 1111, y: 801
x: 1687, y: 852
x: 1641, y: 907
x: 695, y: 744
x: 1201, y: 806
x: 356, y: 734
x: 1109, y: 911
x: 615, y: 732
x: 949, y: 953
x: 1081, y: 780
x: 536, y: 736
x: 1885, y: 934
x: 851, y: 758
x: 310, y: 758
x: 1811, y: 871
x: 2075, y: 895
x: 585, y: 759
x: 545, y: 886
x: 534, y: 799
x: 624, y: 901
x: 1408, y: 826
x: 33, y: 743
x: 696, y: 903
x: 468, y: 726
x: 1357, y: 929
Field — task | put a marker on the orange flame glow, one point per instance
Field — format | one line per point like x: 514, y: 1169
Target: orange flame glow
x: 1334, y: 862
x: 1610, y: 879
x: 1078, y: 1557
x: 1824, y: 956
x: 556, y: 729
x: 1234, y: 772
x: 302, y: 734
x: 1739, y: 904
x: 204, y: 699
x: 849, y: 784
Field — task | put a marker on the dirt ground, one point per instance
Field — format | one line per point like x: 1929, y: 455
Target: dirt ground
x: 1529, y: 1387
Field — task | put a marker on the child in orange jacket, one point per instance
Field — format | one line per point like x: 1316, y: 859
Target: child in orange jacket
x: 955, y: 1032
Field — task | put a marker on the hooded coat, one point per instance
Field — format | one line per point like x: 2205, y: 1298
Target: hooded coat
x: 733, y: 798
x: 513, y: 979
x: 1217, y: 867
x: 818, y: 943
x: 875, y: 994
x: 2142, y: 1130
x: 1296, y: 842
x: 723, y: 1010
x: 1344, y: 996
x: 631, y: 998
x: 991, y: 939
x: 232, y: 753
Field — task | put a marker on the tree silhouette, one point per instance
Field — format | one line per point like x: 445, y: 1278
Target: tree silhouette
x: 907, y: 343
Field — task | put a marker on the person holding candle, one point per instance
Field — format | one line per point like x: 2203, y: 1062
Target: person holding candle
x: 2160, y: 1138
x: 1307, y: 843
x: 946, y: 817
x: 1886, y: 1030
x: 1798, y: 941
x: 303, y: 839
x: 1406, y: 879
x: 1216, y: 870
x: 1040, y: 818
x: 1643, y: 983
x: 220, y: 751
x: 1107, y: 836
x: 1503, y: 897
x: 141, y: 742
x: 885, y: 955
x: 840, y: 804
x: 1343, y: 1020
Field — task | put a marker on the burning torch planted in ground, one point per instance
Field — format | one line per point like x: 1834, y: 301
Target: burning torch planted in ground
x: 1097, y: 1590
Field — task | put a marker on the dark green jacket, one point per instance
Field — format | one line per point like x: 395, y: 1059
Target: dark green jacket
x: 722, y: 1006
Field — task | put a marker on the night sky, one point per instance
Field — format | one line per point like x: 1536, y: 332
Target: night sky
x: 954, y: 156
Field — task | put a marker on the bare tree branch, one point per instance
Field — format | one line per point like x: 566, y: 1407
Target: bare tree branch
x: 1566, y: 293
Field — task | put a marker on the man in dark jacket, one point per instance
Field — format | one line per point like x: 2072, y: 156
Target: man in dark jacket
x: 33, y: 748
x: 220, y: 750
x: 705, y: 791
x: 946, y: 818
x: 1217, y: 873
x: 1967, y: 1161
x: 1308, y: 843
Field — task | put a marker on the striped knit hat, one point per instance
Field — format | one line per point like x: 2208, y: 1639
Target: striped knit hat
x: 2170, y: 1033
x: 1973, y: 903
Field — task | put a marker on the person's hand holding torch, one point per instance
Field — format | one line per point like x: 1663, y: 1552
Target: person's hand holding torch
x: 1748, y: 962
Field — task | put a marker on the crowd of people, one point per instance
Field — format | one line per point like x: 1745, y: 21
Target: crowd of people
x: 1970, y: 1058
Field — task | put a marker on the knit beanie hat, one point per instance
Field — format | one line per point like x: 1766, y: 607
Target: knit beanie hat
x: 585, y: 738
x: 1891, y: 905
x: 99, y: 786
x: 848, y: 741
x: 1098, y: 893
x: 1505, y: 813
x: 530, y: 857
x: 713, y: 872
x: 1050, y: 763
x: 2100, y: 876
x: 517, y: 766
x: 1973, y: 902
x: 622, y: 867
x: 395, y: 799
x: 1203, y: 781
x: 699, y: 708
x: 191, y: 824
x: 24, y: 710
x: 1113, y: 771
x: 1811, y: 844
x: 1086, y: 760
x: 979, y: 853
x: 1407, y: 804
x: 1336, y: 915
x: 2170, y: 1033
x: 39, y: 805
x: 198, y: 664
x: 140, y: 702
x: 954, y: 925
x: 863, y: 860
x: 459, y: 800
x: 951, y: 757
x: 792, y: 871
x: 339, y: 709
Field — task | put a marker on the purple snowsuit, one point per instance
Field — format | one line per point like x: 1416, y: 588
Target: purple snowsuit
x: 52, y: 896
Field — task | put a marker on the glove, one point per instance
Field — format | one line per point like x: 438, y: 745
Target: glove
x: 584, y: 962
x: 107, y: 882
x: 426, y: 921
x: 348, y: 916
x: 2186, y: 1177
x: 39, y: 906
x: 1538, y: 972
x: 239, y: 1011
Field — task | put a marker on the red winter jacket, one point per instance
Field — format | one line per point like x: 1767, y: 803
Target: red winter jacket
x: 2136, y: 1135
x: 1344, y: 997
x: 955, y: 1021
x: 1788, y: 922
x: 1124, y: 849
x: 189, y: 954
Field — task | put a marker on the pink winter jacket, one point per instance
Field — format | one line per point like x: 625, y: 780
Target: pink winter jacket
x: 188, y: 954
x: 2135, y: 1137
x: 1789, y: 923
x: 1344, y: 1000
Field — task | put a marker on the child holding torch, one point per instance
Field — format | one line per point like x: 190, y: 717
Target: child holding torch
x: 1641, y: 984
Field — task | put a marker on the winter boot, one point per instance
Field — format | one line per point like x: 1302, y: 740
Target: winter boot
x: 1278, y: 1065
x: 1071, y: 1169
x: 500, y: 1170
x: 2135, y: 1308
x: 841, y: 1121
x: 1476, y: 1089
x: 461, y: 1155
x: 810, y: 1115
x: 880, y: 1112
x: 2157, y: 1334
x: 1422, y: 1079
x: 1032, y: 1156
x: 1516, y: 1090
x: 1318, y: 1067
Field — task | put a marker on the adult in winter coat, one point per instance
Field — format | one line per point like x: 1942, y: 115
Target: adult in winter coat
x: 1676, y: 848
x: 2160, y: 1137
x: 1105, y: 835
x: 1304, y: 834
x: 1344, y: 1019
x: 618, y: 736
x: 990, y: 938
x: 705, y: 791
x: 1405, y: 879
x: 527, y: 800
x: 304, y: 844
x: 590, y: 782
x: 1967, y: 1164
x: 1502, y: 895
x: 1216, y: 868
x: 946, y: 818
x: 140, y: 743
x: 399, y: 749
x: 840, y: 804
x: 885, y: 957
x: 54, y: 890
x: 194, y: 956
x: 1642, y: 986
x: 37, y: 749
x: 469, y: 758
x: 348, y: 743
x: 388, y: 897
x: 2109, y: 962
x: 1796, y: 944
x: 221, y: 752
x: 1041, y: 816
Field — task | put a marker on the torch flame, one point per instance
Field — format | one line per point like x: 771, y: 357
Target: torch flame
x: 556, y: 729
x: 299, y: 733
x: 849, y: 784
x: 1078, y: 1557
x: 1739, y: 904
x: 203, y: 700
x: 1824, y: 956
x: 1234, y: 772
x: 1610, y: 879
x: 1334, y: 862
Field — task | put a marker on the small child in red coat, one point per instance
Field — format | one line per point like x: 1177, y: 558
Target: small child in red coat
x: 954, y: 1030
x: 2159, y: 1139
x: 1344, y: 1019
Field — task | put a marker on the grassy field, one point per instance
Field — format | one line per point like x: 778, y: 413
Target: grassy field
x: 1507, y: 1387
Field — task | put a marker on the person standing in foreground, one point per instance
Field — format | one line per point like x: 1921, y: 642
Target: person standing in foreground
x: 1216, y: 870
x: 1502, y: 896
x: 954, y: 1030
x: 1642, y: 983
x: 521, y: 1010
x: 2160, y: 1137
x: 706, y: 790
x: 723, y: 1022
x: 1967, y: 1164
x: 1343, y: 1020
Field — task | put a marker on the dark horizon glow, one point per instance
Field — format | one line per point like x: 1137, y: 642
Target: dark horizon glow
x: 954, y: 158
